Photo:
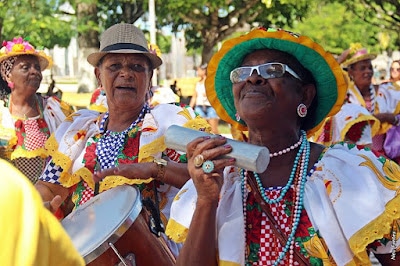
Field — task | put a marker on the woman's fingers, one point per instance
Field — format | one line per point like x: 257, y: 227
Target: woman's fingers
x: 54, y: 204
x: 100, y: 175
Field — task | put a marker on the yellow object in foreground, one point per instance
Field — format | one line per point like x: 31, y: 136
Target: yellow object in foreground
x: 30, y: 234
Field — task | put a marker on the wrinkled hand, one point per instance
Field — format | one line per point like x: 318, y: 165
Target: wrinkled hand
x: 131, y: 171
x: 208, y: 185
x: 54, y: 204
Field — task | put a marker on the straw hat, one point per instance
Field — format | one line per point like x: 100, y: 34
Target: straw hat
x: 125, y: 39
x: 358, y: 55
x: 18, y: 47
x: 330, y: 84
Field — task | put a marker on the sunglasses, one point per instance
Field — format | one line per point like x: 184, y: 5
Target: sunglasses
x: 397, y: 69
x: 267, y: 71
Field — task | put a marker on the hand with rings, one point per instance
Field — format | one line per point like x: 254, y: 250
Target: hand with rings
x: 198, y: 160
x: 207, y: 166
x: 206, y: 163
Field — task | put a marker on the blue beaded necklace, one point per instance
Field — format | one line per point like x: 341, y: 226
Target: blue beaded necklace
x: 291, y: 177
x: 304, y: 152
x: 111, y: 143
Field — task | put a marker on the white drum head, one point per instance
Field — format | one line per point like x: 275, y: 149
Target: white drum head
x: 102, y: 219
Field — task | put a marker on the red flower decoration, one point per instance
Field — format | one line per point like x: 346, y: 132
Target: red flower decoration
x: 253, y: 220
x: 304, y: 225
x: 131, y: 147
x: 89, y: 159
x: 355, y: 132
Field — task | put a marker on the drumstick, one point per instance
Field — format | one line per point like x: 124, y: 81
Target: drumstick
x: 248, y: 156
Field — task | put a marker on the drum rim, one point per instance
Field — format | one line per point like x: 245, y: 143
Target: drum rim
x: 120, y: 229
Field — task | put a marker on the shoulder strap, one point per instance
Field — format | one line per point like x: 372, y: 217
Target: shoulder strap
x: 274, y: 225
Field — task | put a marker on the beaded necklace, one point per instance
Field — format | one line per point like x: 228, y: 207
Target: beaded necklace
x: 294, y: 146
x: 303, y: 142
x: 298, y: 204
x: 111, y: 143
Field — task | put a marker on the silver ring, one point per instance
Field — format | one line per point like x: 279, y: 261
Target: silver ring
x: 198, y: 160
x: 208, y: 166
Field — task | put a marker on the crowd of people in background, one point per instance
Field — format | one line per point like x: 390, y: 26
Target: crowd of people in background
x: 330, y: 128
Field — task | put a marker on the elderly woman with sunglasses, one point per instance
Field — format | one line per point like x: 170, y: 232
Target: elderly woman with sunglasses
x: 313, y: 205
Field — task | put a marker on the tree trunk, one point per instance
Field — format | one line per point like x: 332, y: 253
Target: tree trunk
x: 88, y: 42
x: 207, y: 52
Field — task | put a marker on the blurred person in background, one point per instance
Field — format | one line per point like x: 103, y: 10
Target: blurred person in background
x: 26, y: 118
x: 382, y: 101
x: 98, y: 100
x: 200, y: 102
x: 394, y: 79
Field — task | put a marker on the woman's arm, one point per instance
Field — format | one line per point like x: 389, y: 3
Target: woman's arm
x: 200, y: 246
x: 388, y: 118
x: 193, y: 99
x: 175, y: 174
x: 53, y: 195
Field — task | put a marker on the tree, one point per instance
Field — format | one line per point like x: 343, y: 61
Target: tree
x: 39, y: 22
x: 384, y: 14
x: 207, y: 23
x: 335, y: 27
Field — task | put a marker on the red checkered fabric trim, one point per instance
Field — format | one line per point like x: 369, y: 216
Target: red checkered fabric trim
x: 34, y: 137
x: 87, y: 194
x: 270, y: 246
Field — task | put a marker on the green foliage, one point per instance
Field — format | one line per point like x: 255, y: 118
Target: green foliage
x: 208, y: 22
x: 40, y: 22
x: 383, y: 14
x: 335, y: 27
x: 117, y: 11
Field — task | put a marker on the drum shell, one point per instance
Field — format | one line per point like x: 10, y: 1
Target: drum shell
x: 116, y: 216
x: 148, y: 249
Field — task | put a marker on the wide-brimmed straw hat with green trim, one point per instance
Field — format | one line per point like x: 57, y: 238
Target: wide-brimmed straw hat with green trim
x: 330, y: 83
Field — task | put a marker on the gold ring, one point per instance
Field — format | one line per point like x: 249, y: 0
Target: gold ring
x: 198, y: 160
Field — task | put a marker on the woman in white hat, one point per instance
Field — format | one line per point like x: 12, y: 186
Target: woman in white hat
x: 125, y: 141
x: 27, y: 118
x: 313, y: 205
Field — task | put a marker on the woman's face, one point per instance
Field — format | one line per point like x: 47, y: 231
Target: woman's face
x: 361, y: 73
x: 274, y: 101
x: 26, y: 74
x: 201, y: 72
x: 126, y: 79
x: 395, y: 71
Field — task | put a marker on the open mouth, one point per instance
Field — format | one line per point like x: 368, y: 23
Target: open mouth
x: 126, y: 88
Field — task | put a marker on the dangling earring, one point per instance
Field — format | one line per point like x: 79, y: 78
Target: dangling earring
x: 237, y: 116
x: 10, y: 84
x: 302, y: 110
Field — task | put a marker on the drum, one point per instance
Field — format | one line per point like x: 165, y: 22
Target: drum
x: 112, y: 226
